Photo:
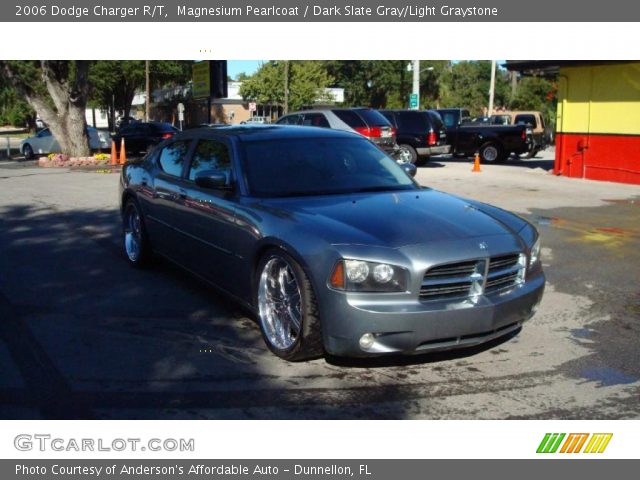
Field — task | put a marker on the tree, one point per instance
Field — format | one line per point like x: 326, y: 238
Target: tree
x: 13, y: 109
x: 115, y: 82
x: 466, y: 84
x: 307, y: 83
x: 58, y: 92
x: 536, y: 93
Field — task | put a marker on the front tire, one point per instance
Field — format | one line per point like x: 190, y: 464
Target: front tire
x: 135, y: 241
x: 27, y: 150
x: 287, y: 308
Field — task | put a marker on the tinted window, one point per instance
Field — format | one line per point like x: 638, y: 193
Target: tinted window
x: 162, y: 127
x: 415, y: 122
x: 320, y: 166
x: 350, y: 118
x: 526, y: 120
x: 315, y: 120
x: 209, y: 155
x: 172, y: 157
x: 373, y: 118
x: 288, y: 120
x: 389, y: 116
x: 436, y: 121
x: 45, y: 133
x: 449, y: 119
x: 501, y: 120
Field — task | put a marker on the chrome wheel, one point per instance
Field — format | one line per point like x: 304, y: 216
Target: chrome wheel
x: 404, y: 155
x: 132, y: 234
x: 28, y: 152
x: 280, y: 304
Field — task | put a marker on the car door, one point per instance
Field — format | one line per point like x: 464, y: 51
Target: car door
x: 166, y: 203
x: 209, y: 217
x: 45, y: 142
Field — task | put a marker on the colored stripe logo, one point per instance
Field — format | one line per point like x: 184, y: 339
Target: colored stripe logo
x: 574, y: 443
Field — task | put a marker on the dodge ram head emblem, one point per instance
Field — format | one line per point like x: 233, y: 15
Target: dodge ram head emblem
x: 483, y: 245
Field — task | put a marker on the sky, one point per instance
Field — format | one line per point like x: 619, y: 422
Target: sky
x: 234, y: 67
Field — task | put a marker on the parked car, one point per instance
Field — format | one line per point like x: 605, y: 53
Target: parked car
x: 256, y: 120
x: 493, y: 143
x: 329, y: 242
x: 140, y: 136
x: 44, y: 142
x: 367, y: 122
x: 420, y: 134
x: 122, y: 121
x: 541, y: 135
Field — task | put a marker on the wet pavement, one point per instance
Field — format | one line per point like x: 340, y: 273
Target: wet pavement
x: 82, y: 335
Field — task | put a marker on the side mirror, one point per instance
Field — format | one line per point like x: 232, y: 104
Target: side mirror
x: 214, y: 179
x: 409, y: 168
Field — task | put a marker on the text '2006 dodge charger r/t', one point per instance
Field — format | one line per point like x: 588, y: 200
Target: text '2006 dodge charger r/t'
x: 330, y: 242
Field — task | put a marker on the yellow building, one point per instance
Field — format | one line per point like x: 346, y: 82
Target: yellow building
x: 598, y: 119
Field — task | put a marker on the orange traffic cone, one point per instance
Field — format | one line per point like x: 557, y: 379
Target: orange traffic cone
x: 123, y: 153
x: 114, y: 153
x: 476, y: 164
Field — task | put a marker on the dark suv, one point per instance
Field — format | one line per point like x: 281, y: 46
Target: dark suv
x: 419, y: 133
x: 139, y: 136
x: 367, y: 122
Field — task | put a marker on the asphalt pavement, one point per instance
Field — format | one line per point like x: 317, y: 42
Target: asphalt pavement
x: 83, y: 335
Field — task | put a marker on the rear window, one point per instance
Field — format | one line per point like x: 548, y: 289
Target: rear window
x: 413, y: 121
x: 526, y: 120
x: 350, y: 118
x: 436, y: 120
x: 162, y: 127
x: 450, y: 119
x: 373, y: 118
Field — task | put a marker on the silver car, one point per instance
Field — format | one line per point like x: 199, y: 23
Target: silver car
x: 44, y: 142
x: 329, y: 242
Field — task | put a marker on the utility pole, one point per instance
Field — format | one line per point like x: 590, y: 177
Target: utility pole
x: 286, y: 87
x: 147, y: 109
x: 416, y: 83
x: 492, y: 88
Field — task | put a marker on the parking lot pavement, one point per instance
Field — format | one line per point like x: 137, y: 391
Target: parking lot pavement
x: 84, y: 336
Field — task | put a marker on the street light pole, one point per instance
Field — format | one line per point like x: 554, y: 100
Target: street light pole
x: 147, y: 103
x: 416, y: 82
x: 492, y: 88
x: 286, y: 87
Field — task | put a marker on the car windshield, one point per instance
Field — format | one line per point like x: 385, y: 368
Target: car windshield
x: 320, y: 166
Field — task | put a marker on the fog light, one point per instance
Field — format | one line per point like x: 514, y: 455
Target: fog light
x: 367, y: 340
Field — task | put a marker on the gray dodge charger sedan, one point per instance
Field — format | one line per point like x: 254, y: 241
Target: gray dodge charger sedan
x: 331, y: 244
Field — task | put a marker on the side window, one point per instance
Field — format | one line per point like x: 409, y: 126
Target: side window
x: 209, y: 155
x: 315, y: 120
x: 172, y: 157
x: 288, y: 120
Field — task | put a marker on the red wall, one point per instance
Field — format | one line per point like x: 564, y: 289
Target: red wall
x: 613, y: 158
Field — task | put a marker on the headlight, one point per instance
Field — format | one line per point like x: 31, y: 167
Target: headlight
x: 535, y: 254
x: 362, y: 276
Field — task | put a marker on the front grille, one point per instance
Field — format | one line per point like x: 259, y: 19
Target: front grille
x: 472, y: 278
x: 504, y: 271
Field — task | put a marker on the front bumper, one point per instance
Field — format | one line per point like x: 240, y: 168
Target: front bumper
x: 435, y: 150
x: 417, y: 327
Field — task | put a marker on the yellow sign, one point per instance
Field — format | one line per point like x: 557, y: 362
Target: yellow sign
x: 201, y: 79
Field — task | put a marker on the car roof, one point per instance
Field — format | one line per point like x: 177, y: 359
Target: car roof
x: 250, y: 133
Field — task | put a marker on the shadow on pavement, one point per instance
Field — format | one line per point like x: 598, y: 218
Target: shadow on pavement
x: 83, y: 336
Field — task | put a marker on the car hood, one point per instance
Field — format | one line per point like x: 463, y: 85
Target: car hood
x: 394, y: 219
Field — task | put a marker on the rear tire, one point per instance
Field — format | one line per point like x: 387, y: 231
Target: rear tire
x: 407, y: 154
x: 491, y: 153
x: 287, y: 308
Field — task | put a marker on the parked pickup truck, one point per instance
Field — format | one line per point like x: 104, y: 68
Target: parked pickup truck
x: 542, y: 136
x: 494, y: 143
